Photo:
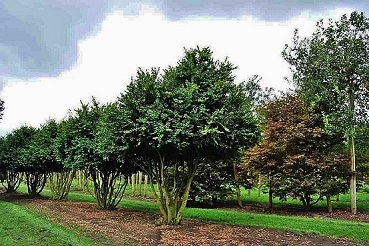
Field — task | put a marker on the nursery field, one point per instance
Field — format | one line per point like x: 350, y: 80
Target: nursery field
x: 169, y: 160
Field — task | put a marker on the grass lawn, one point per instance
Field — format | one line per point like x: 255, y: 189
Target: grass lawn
x: 343, y: 203
x: 19, y: 226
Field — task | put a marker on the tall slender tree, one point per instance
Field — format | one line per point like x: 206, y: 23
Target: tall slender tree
x: 331, y: 70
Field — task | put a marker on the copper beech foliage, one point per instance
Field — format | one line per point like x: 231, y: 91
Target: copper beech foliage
x: 298, y: 157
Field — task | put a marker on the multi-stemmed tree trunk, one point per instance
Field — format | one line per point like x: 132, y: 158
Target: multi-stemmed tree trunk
x: 35, y: 182
x: 173, y: 190
x: 307, y: 200
x: 109, y: 187
x: 11, y: 181
x: 60, y: 183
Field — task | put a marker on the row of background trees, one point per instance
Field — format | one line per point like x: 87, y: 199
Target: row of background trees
x: 196, y: 133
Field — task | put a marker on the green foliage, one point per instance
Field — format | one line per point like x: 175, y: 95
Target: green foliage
x: 18, y: 142
x: 256, y: 94
x: 87, y: 141
x: 212, y: 182
x: 362, y: 147
x: 362, y: 154
x: 40, y: 153
x: 43, y: 152
x: 331, y: 68
x: 21, y: 153
x: 39, y: 158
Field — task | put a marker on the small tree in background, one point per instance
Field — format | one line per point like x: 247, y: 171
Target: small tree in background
x: 10, y: 177
x: 299, y: 159
x: 42, y: 149
x: 35, y: 172
x: 64, y: 172
x: 93, y: 149
x: 33, y: 166
x: 212, y: 181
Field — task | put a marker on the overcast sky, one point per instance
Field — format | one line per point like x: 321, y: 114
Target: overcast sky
x: 54, y: 53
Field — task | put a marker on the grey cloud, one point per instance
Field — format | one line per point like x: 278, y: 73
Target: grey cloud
x: 39, y: 37
x: 268, y: 10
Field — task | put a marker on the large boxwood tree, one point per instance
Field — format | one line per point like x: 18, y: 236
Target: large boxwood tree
x: 192, y: 113
x: 10, y: 177
x: 43, y: 151
x: 92, y: 148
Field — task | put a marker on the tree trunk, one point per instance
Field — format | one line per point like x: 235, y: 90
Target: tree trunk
x: 139, y: 183
x: 353, y: 175
x: 259, y: 185
x: 35, y: 182
x: 306, y: 201
x: 12, y: 180
x: 329, y: 204
x: 270, y: 198
x: 60, y: 183
x: 172, y: 200
x: 109, y: 187
x: 133, y: 180
x: 145, y: 186
x: 183, y: 200
x: 238, y: 190
x: 351, y: 142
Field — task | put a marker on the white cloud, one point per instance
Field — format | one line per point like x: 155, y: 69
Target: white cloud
x: 109, y: 59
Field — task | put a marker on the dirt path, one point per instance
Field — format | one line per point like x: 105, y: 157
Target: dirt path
x: 137, y: 228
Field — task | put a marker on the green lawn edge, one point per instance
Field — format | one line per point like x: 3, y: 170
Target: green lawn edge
x: 20, y: 226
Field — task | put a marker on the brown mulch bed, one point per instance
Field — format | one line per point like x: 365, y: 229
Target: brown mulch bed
x: 122, y: 227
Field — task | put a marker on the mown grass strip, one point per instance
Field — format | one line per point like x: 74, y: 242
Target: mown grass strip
x: 19, y: 226
x: 343, y: 202
x: 336, y: 228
